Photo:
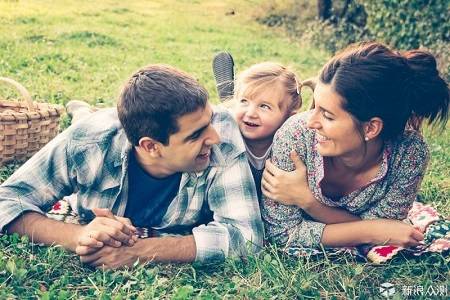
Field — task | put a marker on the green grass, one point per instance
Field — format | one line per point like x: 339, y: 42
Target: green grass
x: 62, y: 50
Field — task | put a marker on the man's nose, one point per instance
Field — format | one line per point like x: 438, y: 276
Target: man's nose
x: 212, y: 137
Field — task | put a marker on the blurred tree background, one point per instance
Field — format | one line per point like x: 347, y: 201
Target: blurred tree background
x: 333, y: 24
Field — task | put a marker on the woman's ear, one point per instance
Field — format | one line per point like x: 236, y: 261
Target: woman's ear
x: 373, y: 128
x: 151, y: 146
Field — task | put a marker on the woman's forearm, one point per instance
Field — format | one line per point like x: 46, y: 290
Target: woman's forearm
x: 347, y: 234
x: 327, y: 214
x: 375, y: 232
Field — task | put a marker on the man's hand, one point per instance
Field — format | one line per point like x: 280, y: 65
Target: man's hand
x: 288, y: 188
x: 105, y: 229
x: 111, y: 258
x: 161, y: 249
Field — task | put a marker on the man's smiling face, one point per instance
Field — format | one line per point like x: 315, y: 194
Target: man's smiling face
x: 189, y: 149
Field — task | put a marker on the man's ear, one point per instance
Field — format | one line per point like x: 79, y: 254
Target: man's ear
x: 373, y: 128
x: 151, y: 146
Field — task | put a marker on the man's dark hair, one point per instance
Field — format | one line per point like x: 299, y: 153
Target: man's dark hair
x: 154, y: 98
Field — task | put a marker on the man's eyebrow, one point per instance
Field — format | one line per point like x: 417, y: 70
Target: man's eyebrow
x: 199, y: 131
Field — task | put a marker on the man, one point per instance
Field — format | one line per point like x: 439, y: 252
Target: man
x: 164, y: 160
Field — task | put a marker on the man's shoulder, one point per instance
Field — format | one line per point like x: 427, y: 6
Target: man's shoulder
x: 231, y: 142
x: 102, y: 125
x: 96, y: 141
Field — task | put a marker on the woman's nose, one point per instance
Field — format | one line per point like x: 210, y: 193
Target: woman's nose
x: 313, y: 121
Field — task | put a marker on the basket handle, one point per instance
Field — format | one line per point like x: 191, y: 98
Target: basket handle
x: 23, y: 91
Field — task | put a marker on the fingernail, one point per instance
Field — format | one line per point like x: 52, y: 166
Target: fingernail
x: 131, y: 242
x: 117, y: 243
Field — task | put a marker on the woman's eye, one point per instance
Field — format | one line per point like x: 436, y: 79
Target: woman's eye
x: 327, y: 116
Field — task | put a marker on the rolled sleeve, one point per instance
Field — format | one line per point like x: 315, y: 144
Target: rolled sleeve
x: 307, y: 234
x: 236, y: 226
x: 13, y: 207
x: 212, y: 242
x: 36, y: 185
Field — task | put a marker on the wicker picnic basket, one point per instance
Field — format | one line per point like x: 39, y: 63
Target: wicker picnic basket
x: 25, y: 127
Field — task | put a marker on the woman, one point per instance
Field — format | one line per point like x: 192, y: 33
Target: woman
x: 363, y: 152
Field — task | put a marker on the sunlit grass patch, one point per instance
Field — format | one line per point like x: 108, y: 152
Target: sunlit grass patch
x: 91, y: 39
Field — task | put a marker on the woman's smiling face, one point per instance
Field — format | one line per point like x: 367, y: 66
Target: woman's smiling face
x: 337, y: 133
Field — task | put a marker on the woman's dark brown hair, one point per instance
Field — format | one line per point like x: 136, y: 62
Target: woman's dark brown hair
x: 402, y: 89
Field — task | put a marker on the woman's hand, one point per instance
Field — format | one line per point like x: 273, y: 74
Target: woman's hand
x: 394, y: 232
x: 288, y: 188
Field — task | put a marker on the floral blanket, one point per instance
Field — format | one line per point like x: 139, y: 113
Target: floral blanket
x: 436, y: 231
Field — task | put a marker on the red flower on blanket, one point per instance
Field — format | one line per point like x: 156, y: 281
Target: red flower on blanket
x: 60, y: 208
x: 56, y: 206
x: 385, y: 251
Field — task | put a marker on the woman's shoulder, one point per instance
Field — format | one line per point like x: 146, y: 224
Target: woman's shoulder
x: 411, y: 143
x: 409, y: 150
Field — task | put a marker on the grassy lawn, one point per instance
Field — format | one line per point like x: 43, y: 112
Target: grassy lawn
x: 62, y: 50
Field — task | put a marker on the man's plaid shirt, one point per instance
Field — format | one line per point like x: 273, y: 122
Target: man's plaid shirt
x: 90, y: 159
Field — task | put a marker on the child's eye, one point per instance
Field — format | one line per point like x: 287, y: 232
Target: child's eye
x: 265, y: 106
x: 243, y: 101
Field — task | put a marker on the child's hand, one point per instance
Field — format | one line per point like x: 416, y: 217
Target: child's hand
x: 288, y: 188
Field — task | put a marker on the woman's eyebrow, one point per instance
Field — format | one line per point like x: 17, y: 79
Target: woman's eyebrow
x: 325, y: 110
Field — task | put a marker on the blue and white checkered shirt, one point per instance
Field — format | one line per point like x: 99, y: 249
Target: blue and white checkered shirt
x: 90, y: 159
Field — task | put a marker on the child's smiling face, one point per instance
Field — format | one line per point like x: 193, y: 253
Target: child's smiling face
x: 261, y: 113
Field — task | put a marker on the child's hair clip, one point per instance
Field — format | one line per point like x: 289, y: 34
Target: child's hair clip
x: 297, y: 85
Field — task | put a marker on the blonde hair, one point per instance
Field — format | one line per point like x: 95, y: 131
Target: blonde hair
x: 260, y: 76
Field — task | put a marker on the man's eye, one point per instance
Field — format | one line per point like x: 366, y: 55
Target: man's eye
x: 196, y: 136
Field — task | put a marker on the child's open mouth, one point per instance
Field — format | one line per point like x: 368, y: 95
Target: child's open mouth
x: 251, y: 124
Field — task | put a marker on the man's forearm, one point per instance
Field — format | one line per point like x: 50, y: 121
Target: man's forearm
x: 163, y: 249
x: 41, y: 229
x: 167, y: 249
